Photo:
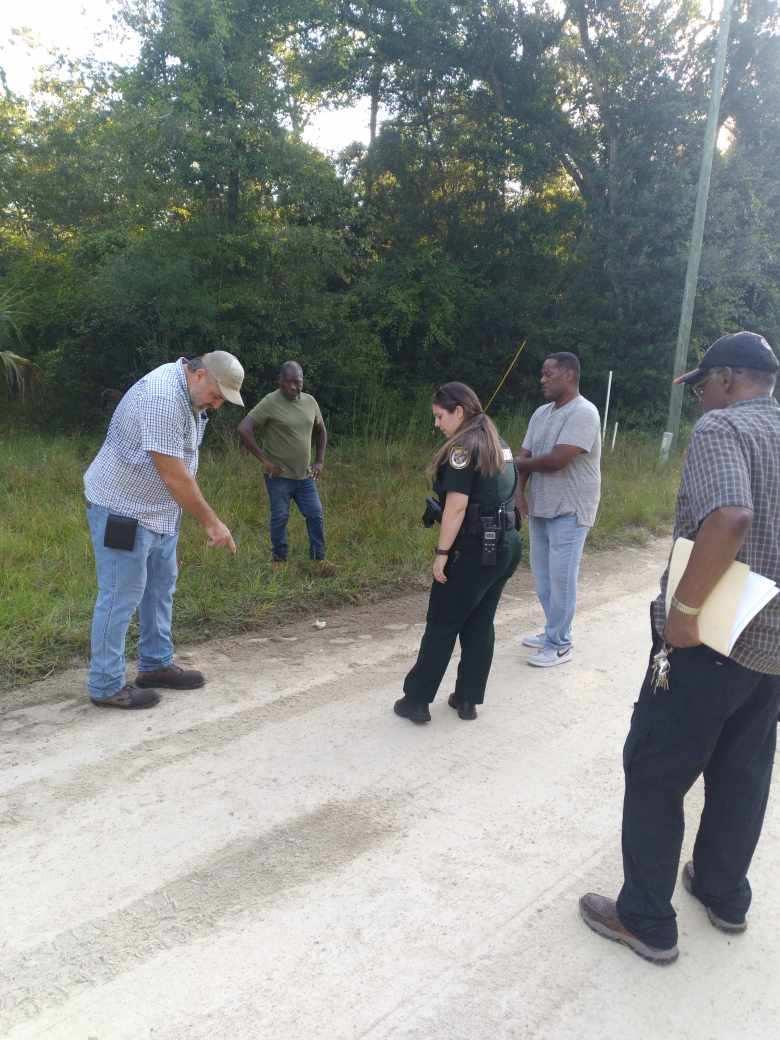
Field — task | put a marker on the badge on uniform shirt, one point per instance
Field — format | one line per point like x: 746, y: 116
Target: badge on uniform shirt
x: 459, y: 457
x: 507, y: 453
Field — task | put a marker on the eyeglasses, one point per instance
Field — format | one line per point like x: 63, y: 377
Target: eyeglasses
x: 698, y: 388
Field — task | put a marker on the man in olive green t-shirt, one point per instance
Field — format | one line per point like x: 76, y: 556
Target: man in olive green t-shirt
x: 284, y: 422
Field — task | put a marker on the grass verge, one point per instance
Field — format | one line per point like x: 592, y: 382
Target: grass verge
x: 373, y: 494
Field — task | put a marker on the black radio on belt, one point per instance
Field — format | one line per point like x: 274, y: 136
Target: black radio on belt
x: 490, y: 533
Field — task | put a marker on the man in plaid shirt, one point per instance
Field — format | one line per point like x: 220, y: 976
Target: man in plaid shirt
x: 136, y: 488
x: 718, y: 715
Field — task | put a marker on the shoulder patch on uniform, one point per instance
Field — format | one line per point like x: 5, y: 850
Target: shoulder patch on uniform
x: 459, y: 457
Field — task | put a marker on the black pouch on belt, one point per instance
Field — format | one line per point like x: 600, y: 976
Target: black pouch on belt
x: 120, y: 532
x: 489, y: 540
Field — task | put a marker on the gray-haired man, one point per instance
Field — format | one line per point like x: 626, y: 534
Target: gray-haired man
x: 139, y: 483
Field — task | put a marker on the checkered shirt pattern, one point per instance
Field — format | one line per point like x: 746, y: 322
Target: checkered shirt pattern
x: 154, y: 415
x: 733, y: 459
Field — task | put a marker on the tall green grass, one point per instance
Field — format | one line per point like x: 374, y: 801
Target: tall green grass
x: 373, y: 489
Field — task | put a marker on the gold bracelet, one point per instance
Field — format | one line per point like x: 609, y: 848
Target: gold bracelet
x: 682, y: 608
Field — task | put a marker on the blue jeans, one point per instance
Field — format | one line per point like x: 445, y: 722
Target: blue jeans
x: 556, y: 551
x: 142, y: 579
x: 283, y: 490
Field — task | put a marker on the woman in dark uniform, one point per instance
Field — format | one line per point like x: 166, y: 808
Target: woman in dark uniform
x: 478, y: 550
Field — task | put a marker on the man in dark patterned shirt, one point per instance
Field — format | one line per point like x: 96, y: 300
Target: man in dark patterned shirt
x: 718, y: 715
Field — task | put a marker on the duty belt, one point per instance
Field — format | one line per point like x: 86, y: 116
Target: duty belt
x: 504, y: 517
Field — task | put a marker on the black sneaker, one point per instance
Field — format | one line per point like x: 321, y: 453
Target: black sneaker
x: 412, y: 710
x: 465, y: 709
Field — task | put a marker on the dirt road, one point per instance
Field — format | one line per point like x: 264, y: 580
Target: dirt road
x: 279, y: 856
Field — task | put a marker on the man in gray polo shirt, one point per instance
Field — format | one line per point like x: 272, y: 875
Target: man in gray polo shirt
x: 559, y: 491
x: 136, y: 488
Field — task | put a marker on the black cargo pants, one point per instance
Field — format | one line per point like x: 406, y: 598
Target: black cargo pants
x: 719, y: 719
x: 463, y: 608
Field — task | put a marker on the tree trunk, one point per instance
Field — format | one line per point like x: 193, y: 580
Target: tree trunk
x: 375, y: 85
x: 234, y: 183
x: 375, y: 88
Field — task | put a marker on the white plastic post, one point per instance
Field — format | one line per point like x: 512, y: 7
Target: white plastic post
x: 606, y: 407
x: 666, y: 444
x: 614, y: 435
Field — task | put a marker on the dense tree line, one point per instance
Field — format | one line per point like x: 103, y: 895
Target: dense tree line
x: 531, y: 174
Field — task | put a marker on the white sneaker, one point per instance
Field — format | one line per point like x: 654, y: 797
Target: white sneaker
x: 537, y: 642
x: 550, y: 657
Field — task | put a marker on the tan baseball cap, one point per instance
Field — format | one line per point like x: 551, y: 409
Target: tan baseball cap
x: 228, y: 372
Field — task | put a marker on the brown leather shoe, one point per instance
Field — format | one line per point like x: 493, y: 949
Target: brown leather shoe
x: 172, y: 678
x: 600, y: 914
x: 732, y: 927
x: 128, y: 698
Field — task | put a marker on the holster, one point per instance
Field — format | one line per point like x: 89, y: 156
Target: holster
x: 433, y: 512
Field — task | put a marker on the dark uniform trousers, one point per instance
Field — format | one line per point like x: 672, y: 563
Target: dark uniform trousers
x: 463, y: 607
x: 719, y: 719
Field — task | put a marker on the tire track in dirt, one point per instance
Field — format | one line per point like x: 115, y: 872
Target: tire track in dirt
x: 243, y: 877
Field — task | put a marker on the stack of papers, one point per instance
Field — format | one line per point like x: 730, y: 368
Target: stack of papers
x: 731, y: 606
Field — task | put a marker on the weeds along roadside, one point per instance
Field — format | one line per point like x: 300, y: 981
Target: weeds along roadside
x: 373, y: 489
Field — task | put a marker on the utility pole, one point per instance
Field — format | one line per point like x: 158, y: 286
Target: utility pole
x: 697, y: 235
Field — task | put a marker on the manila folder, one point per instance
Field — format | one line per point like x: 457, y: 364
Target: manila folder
x: 731, y: 606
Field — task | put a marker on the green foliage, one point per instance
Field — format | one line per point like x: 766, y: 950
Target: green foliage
x: 532, y: 177
x: 373, y: 489
x: 19, y: 372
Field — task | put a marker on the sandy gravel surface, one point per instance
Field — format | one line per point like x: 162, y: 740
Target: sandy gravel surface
x: 279, y: 856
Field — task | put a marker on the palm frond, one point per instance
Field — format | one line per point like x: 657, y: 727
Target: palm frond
x: 12, y: 310
x: 19, y: 371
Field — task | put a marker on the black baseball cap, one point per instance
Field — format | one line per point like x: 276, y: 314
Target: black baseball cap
x: 738, y: 350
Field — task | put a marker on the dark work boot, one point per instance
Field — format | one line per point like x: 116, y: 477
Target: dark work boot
x: 465, y: 709
x: 171, y: 677
x: 128, y: 698
x: 412, y: 710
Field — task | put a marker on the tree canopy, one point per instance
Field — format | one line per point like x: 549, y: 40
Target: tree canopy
x: 530, y: 173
